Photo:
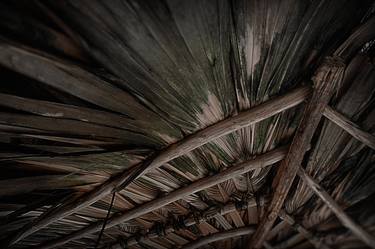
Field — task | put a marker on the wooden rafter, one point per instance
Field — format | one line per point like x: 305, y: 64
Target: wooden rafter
x: 277, y: 229
x: 350, y: 127
x: 212, y: 212
x: 326, y: 80
x: 259, y: 162
x: 303, y: 231
x: 146, y: 62
x: 348, y: 222
x: 246, y: 118
x: 220, y: 236
x: 296, y: 236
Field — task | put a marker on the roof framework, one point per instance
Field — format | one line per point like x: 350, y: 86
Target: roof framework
x: 194, y: 117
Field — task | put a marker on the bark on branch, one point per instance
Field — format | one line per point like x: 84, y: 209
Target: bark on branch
x: 326, y: 80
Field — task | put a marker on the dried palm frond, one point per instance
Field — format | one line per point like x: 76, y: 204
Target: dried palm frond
x: 94, y: 92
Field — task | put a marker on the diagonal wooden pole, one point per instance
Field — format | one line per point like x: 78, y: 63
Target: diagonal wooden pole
x: 220, y: 236
x: 258, y: 162
x: 326, y: 81
x: 244, y: 119
x: 348, y: 222
x: 350, y: 127
x: 316, y: 242
x: 191, y: 220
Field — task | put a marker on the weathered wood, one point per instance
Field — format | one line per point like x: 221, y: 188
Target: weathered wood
x: 350, y: 127
x: 303, y: 231
x: 321, y: 222
x: 277, y: 229
x: 259, y: 162
x: 246, y: 118
x: 220, y: 236
x: 291, y: 242
x: 326, y: 80
x: 191, y: 220
x: 190, y: 63
x: 348, y: 222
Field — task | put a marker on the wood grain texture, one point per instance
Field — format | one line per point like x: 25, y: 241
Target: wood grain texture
x: 326, y: 80
x: 302, y: 230
x: 211, y: 213
x: 257, y: 163
x: 202, y: 137
x: 147, y: 97
x: 220, y: 236
x: 350, y: 127
x: 348, y: 222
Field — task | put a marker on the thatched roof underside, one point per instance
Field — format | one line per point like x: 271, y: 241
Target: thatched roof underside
x: 187, y: 124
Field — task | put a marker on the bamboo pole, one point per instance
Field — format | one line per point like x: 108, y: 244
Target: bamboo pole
x: 220, y: 236
x: 259, y: 162
x: 187, y: 222
x: 350, y: 127
x: 326, y: 80
x: 244, y: 119
x: 356, y: 229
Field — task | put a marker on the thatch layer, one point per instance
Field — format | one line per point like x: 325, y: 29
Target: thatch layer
x: 179, y: 106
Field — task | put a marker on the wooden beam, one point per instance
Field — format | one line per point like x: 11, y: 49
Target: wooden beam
x: 325, y: 81
x: 244, y: 119
x: 350, y: 127
x: 316, y: 242
x: 348, y: 222
x: 277, y: 229
x: 187, y: 222
x: 315, y: 225
x: 259, y: 162
x: 219, y: 236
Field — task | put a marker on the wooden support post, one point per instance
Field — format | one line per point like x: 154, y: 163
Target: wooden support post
x: 350, y: 127
x: 356, y: 229
x: 220, y: 236
x: 244, y: 119
x: 259, y: 162
x: 326, y: 81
